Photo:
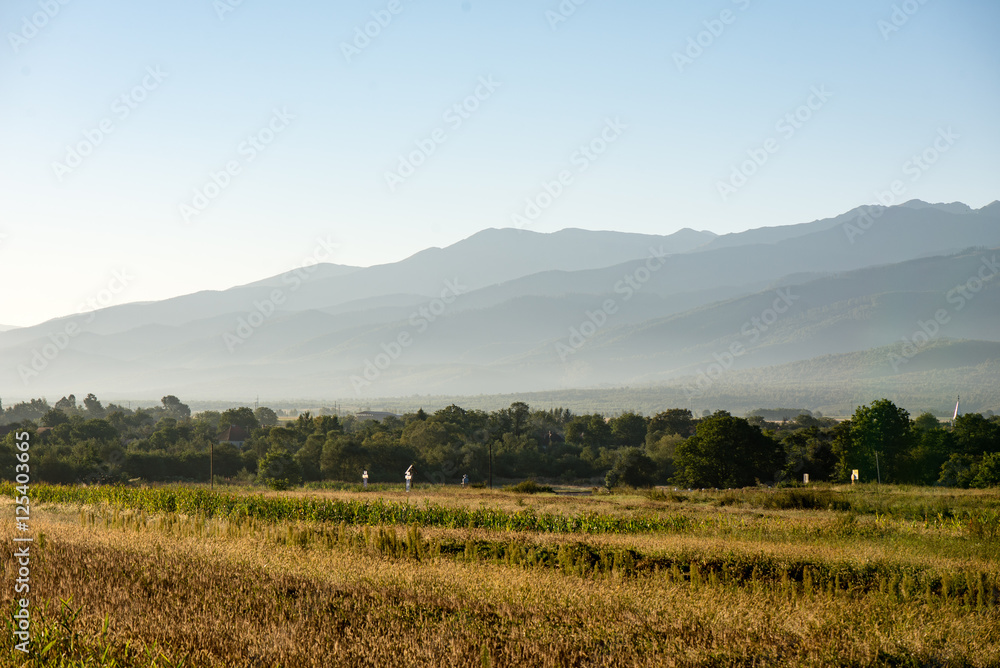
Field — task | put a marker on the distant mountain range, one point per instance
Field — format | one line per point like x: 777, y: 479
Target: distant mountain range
x: 903, y: 298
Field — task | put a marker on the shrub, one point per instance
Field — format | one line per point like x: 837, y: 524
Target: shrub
x: 634, y: 468
x: 279, y: 470
x: 529, y: 487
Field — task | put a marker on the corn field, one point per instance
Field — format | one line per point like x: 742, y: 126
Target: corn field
x: 187, y: 577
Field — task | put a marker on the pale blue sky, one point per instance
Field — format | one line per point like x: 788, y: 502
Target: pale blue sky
x: 323, y: 177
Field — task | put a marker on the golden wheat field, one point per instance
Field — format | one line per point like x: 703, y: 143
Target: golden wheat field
x: 824, y: 577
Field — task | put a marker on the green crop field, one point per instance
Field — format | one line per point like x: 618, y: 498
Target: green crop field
x: 825, y: 575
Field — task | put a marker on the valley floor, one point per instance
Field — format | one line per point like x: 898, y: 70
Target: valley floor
x: 901, y: 577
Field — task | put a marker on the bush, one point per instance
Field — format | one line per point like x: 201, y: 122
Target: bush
x: 634, y: 468
x: 529, y: 487
x: 279, y: 470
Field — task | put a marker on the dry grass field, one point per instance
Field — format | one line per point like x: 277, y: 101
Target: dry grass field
x: 827, y: 576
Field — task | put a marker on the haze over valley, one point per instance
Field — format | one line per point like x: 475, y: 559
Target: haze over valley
x: 899, y: 301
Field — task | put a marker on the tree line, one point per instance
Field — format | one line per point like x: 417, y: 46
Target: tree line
x: 89, y: 442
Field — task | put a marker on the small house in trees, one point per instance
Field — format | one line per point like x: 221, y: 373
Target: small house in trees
x: 234, y: 436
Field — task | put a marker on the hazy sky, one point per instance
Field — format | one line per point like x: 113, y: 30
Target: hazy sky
x: 116, y: 115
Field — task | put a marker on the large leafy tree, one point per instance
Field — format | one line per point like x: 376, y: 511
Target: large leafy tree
x: 671, y: 421
x: 881, y: 438
x: 628, y: 429
x: 633, y: 468
x: 266, y: 417
x: 727, y: 451
x: 239, y: 417
x: 976, y: 435
x: 173, y: 407
x: 589, y: 430
x: 278, y: 469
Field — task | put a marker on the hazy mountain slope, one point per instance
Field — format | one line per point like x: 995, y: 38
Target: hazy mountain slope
x: 900, y: 234
x: 853, y: 311
x: 770, y: 235
x: 488, y: 257
x: 851, y: 285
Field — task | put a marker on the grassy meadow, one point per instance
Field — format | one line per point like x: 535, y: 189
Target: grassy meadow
x: 825, y: 575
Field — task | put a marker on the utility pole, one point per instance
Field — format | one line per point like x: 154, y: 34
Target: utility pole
x: 491, y: 464
x: 211, y: 465
x: 877, y: 471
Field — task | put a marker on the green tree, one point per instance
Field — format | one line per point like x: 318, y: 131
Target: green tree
x: 519, y: 414
x: 173, y: 407
x: 343, y: 458
x: 881, y: 440
x: 932, y: 446
x: 926, y: 422
x: 633, y: 468
x: 589, y: 431
x: 93, y: 406
x: 239, y: 417
x: 54, y: 418
x: 663, y: 452
x: 975, y: 435
x: 958, y: 471
x: 427, y: 435
x: 671, y: 421
x: 628, y: 429
x: 67, y: 405
x: 309, y: 456
x: 988, y: 471
x: 279, y: 470
x: 266, y: 417
x: 727, y: 451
